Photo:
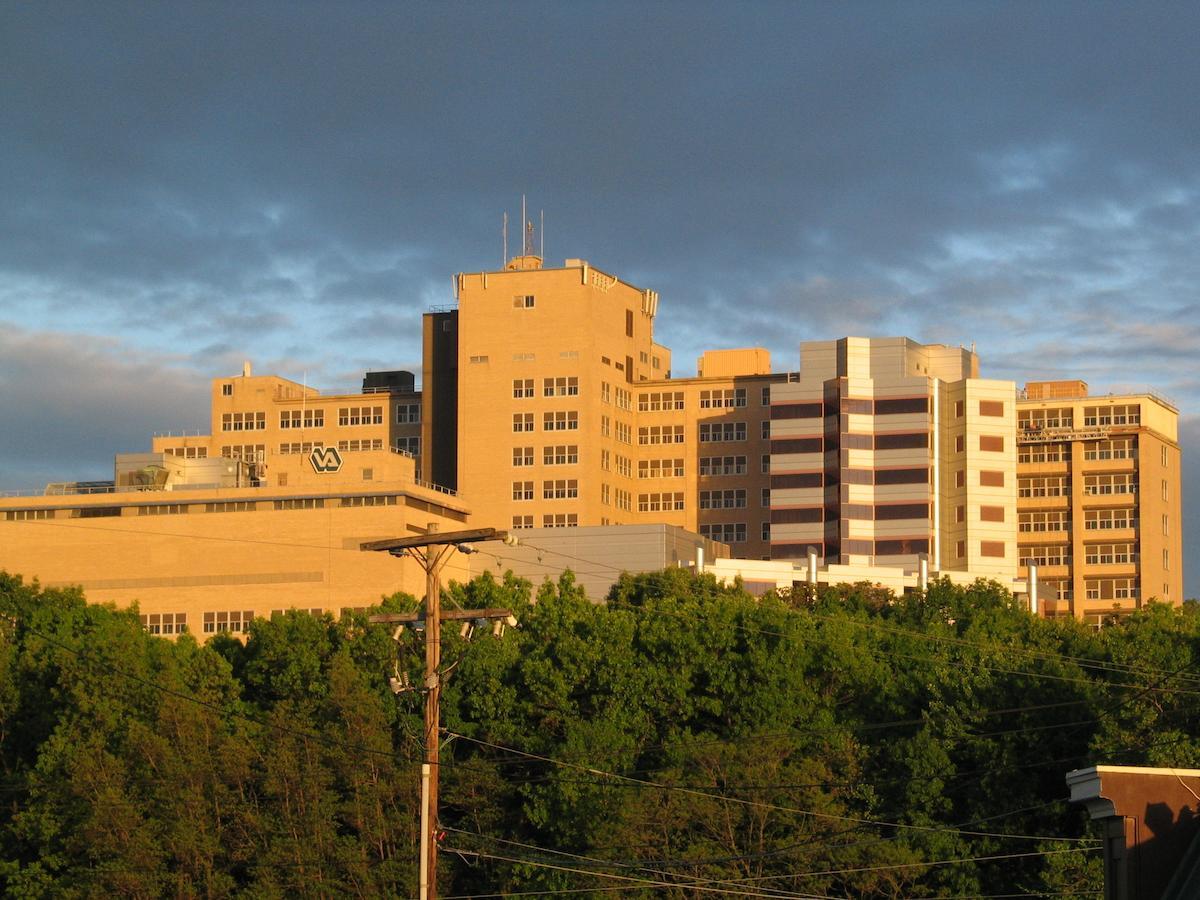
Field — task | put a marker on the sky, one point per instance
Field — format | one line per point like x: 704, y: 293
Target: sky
x: 187, y: 186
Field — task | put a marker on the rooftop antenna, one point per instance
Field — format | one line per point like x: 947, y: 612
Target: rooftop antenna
x: 527, y: 229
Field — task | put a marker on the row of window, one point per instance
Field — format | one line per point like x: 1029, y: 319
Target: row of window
x: 660, y: 502
x: 557, y: 489
x: 360, y: 415
x: 1040, y: 419
x: 553, y: 455
x: 550, y: 520
x: 559, y: 386
x: 244, y: 421
x: 561, y: 420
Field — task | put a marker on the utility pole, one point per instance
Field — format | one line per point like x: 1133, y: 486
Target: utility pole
x: 431, y: 551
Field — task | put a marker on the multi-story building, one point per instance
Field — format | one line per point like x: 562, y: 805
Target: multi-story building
x: 884, y: 449
x: 549, y: 404
x: 1098, y: 498
x: 263, y: 419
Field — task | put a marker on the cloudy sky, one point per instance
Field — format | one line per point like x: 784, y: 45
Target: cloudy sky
x: 184, y: 186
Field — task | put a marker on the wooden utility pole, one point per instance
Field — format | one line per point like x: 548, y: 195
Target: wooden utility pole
x: 431, y: 551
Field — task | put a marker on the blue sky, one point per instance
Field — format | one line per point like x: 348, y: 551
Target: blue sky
x: 187, y: 186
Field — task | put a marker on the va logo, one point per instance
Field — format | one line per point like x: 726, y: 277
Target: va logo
x: 325, y: 459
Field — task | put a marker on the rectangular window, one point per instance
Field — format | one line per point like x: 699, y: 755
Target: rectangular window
x: 991, y: 408
x: 723, y: 398
x: 1108, y: 519
x: 991, y: 513
x: 522, y: 388
x: 912, y: 441
x: 164, y: 623
x: 991, y: 548
x: 960, y: 548
x: 715, y: 432
x: 560, y: 420
x: 562, y: 386
x: 1051, y: 520
x: 902, y: 476
x: 560, y: 520
x: 991, y: 443
x: 730, y: 499
x: 960, y: 408
x: 360, y: 415
x: 560, y: 489
x: 660, y: 434
x: 725, y: 532
x: 227, y: 390
x: 665, y: 502
x: 991, y: 479
x: 723, y: 465
x: 522, y: 490
x: 960, y: 478
x: 890, y: 511
x: 364, y: 444
x: 660, y: 468
x: 797, y: 411
x: 522, y: 421
x: 408, y: 413
x: 660, y: 401
x: 1051, y: 555
x: 765, y: 464
x: 409, y: 446
x: 300, y: 503
x: 559, y: 455
x: 522, y: 456
x: 629, y: 323
x: 522, y: 521
x: 1109, y: 554
x: 523, y: 301
x: 765, y: 499
x: 1103, y: 485
x: 902, y: 405
x: 219, y: 622
x: 1047, y: 486
x: 901, y: 547
x: 478, y: 360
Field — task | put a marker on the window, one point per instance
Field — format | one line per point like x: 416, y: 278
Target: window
x: 522, y: 490
x: 30, y: 515
x: 1108, y: 519
x: 661, y: 434
x: 522, y: 388
x: 1042, y: 419
x: 219, y: 622
x: 624, y: 466
x: 730, y: 499
x: 408, y: 413
x: 1051, y: 520
x: 1166, y: 525
x: 960, y: 548
x: 231, y: 506
x: 1116, y: 414
x: 764, y: 430
x: 160, y: 509
x: 294, y: 448
x: 1049, y: 486
x: 561, y: 420
x: 244, y: 421
x: 960, y: 478
x: 991, y: 443
x: 660, y: 468
x: 605, y: 495
x: 1109, y: 554
x: 766, y: 397
x: 714, y: 432
x: 1166, y: 560
x: 522, y: 421
x: 560, y: 489
x: 522, y: 521
x: 723, y: 465
x: 360, y: 415
x: 370, y: 500
x: 991, y: 407
x: 910, y: 441
x: 659, y: 401
x: 1165, y: 458
x: 605, y: 392
x: 605, y: 461
x: 1041, y: 453
x: 765, y: 499
x: 797, y: 411
x: 300, y: 503
x: 991, y: 479
x: 227, y: 390
x: 605, y: 426
x: 1102, y: 485
x: 558, y: 455
x: 960, y: 514
x: 308, y: 418
x: 409, y: 446
x: 560, y: 520
x: 478, y: 360
x: 1052, y: 555
x: 725, y: 532
x: 765, y: 463
x: 766, y: 531
x: 901, y: 406
x: 565, y: 386
x: 902, y: 476
x: 629, y: 323
x: 1164, y: 489
x: 187, y: 452
x: 727, y: 398
x: 1110, y: 588
x: 522, y: 456
x: 660, y: 502
x: 364, y: 444
x: 1115, y: 448
x: 164, y: 623
x: 624, y: 500
x: 991, y: 513
x: 624, y: 399
x: 960, y: 407
x: 523, y: 301
x: 625, y: 432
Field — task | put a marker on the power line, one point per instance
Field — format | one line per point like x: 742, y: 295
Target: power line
x: 756, y: 803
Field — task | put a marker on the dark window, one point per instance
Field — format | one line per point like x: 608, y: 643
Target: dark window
x: 991, y: 513
x: 902, y: 441
x: 991, y: 479
x: 856, y: 441
x: 797, y: 445
x: 857, y: 476
x: 629, y: 323
x: 793, y: 551
x: 902, y: 511
x: 803, y: 480
x: 993, y: 443
x: 852, y: 405
x: 792, y: 516
x: 796, y: 411
x: 99, y: 512
x: 858, y: 548
x: 991, y: 548
x: 991, y: 407
x: 856, y: 511
x: 902, y: 547
x: 902, y: 405
x: 902, y: 476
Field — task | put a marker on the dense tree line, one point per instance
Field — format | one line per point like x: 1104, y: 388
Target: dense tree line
x: 683, y: 739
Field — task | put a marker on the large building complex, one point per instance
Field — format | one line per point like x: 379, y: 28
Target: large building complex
x: 546, y: 402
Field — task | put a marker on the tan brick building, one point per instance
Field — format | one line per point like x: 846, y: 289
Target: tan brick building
x: 1098, y: 498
